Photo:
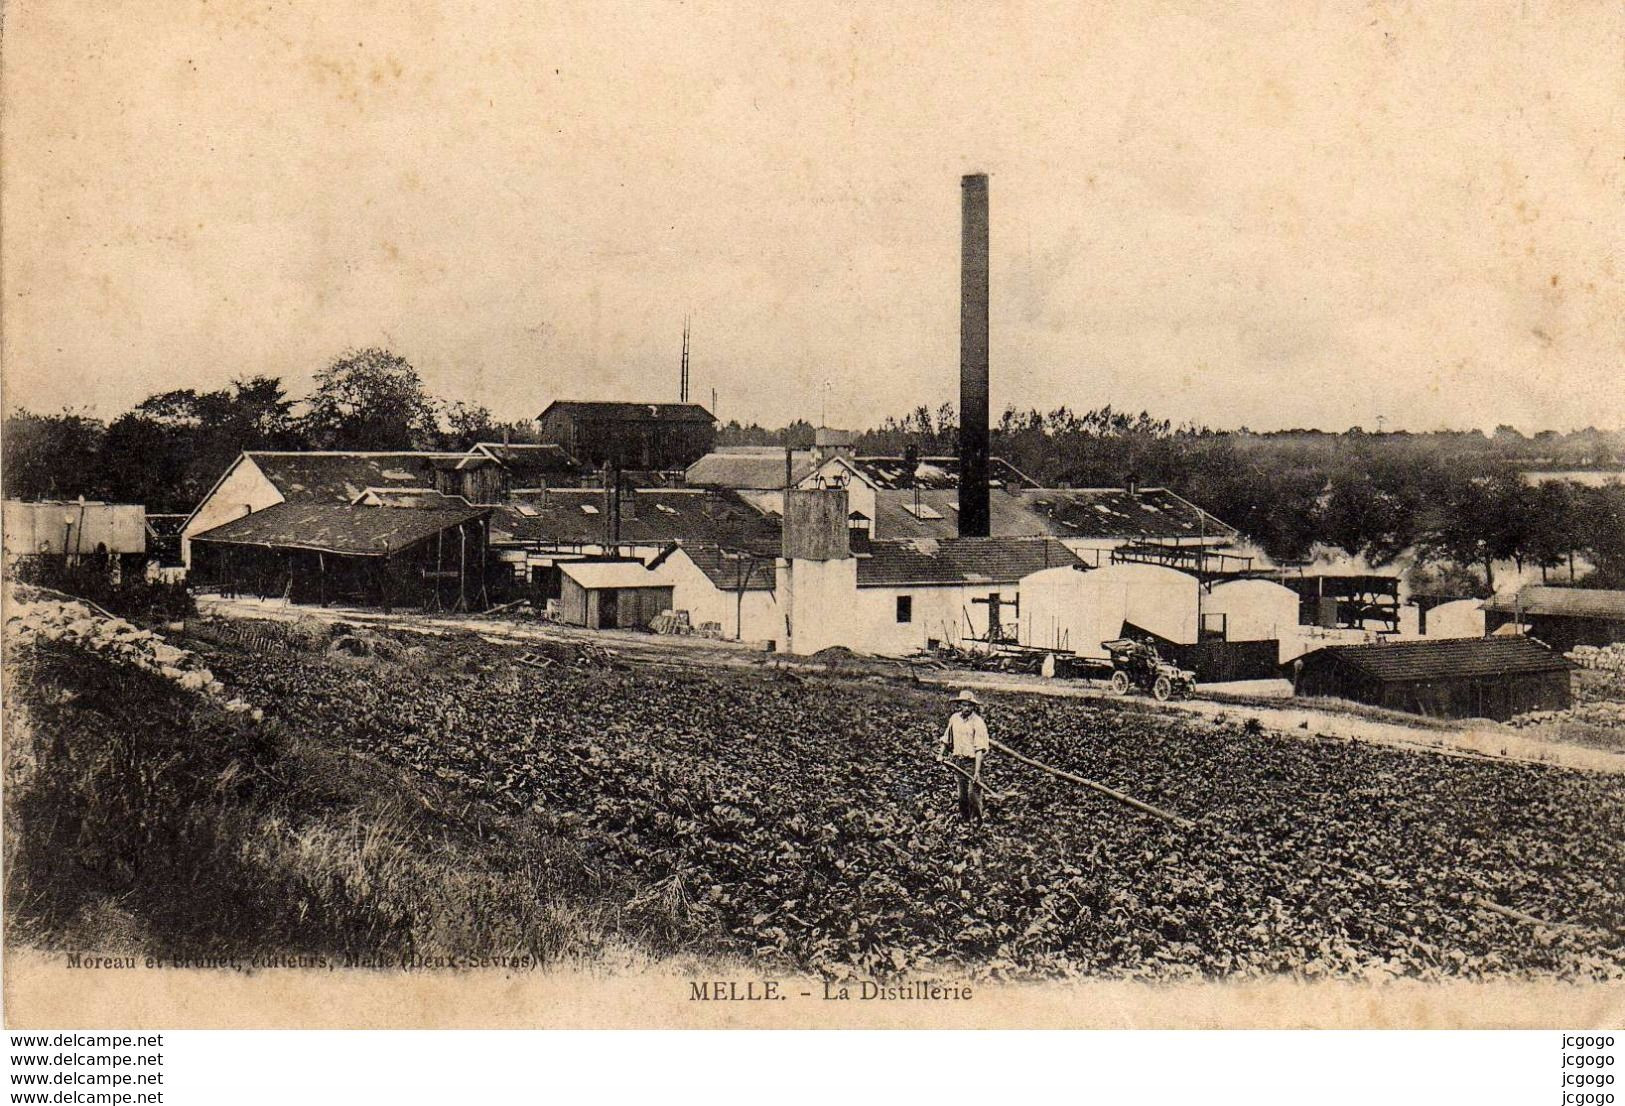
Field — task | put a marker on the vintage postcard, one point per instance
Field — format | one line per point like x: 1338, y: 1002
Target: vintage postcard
x: 575, y: 514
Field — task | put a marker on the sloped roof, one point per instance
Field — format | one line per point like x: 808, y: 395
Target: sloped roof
x: 959, y: 561
x: 611, y: 574
x: 748, y: 467
x: 408, y: 497
x: 630, y: 412
x: 1540, y: 599
x: 730, y: 571
x: 1083, y: 513
x: 338, y: 478
x: 1406, y: 661
x: 1155, y: 513
x: 527, y: 460
x: 935, y: 473
x: 353, y: 531
x: 657, y: 516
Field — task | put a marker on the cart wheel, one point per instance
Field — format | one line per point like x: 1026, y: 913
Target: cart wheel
x: 1162, y: 688
x: 1120, y: 682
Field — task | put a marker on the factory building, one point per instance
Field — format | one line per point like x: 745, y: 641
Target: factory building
x: 651, y: 436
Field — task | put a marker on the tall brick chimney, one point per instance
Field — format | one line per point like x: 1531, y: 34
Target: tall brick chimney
x: 973, y: 415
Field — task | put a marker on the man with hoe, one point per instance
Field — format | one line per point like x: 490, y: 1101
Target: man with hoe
x: 965, y: 742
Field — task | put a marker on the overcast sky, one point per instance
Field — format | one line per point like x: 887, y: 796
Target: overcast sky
x: 1273, y: 215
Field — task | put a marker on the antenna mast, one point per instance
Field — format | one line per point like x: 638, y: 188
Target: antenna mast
x: 682, y: 388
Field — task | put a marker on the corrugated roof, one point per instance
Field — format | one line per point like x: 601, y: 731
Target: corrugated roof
x: 751, y: 467
x: 630, y: 412
x: 1107, y: 514
x: 935, y: 473
x: 1406, y: 661
x: 353, y: 531
x: 339, y: 478
x: 657, y: 516
x: 959, y: 561
x: 1117, y: 513
x: 1540, y: 599
x: 611, y: 574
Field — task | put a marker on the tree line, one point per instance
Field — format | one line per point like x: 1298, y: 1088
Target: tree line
x: 168, y: 450
x: 1457, y: 500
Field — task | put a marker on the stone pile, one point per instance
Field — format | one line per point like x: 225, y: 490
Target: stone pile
x: 1607, y: 713
x: 76, y: 622
x: 1600, y: 658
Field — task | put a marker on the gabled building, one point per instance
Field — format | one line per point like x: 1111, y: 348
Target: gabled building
x: 904, y: 595
x: 650, y: 518
x: 537, y: 533
x: 751, y: 468
x: 728, y: 590
x: 530, y: 466
x: 658, y: 436
x: 258, y: 479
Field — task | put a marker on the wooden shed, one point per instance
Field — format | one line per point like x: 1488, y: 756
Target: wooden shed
x: 1562, y: 617
x: 1463, y: 678
x: 611, y: 595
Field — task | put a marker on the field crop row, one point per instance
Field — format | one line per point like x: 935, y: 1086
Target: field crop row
x: 803, y: 823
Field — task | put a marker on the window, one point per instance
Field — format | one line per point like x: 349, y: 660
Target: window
x: 905, y: 608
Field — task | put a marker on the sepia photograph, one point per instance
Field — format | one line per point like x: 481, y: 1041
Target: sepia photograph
x: 857, y: 515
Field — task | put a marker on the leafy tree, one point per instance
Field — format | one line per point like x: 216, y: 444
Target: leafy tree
x: 1602, y: 511
x: 1477, y: 520
x: 169, y: 449
x: 1554, y: 531
x: 371, y: 399
x: 467, y: 423
x: 52, y: 456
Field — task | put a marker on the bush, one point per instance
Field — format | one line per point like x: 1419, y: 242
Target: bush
x: 133, y: 596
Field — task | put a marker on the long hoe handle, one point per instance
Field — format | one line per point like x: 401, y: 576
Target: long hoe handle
x: 1129, y: 800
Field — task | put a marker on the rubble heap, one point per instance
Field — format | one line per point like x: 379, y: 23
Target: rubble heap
x: 1600, y: 658
x: 78, y: 623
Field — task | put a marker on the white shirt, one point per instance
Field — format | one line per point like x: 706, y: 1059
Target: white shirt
x: 968, y: 736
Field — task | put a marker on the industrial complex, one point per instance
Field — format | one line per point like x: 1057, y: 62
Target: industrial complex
x: 628, y: 516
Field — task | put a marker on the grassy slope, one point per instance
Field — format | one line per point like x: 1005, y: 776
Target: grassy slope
x: 141, y: 818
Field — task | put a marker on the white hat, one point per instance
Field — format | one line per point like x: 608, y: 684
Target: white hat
x: 967, y: 696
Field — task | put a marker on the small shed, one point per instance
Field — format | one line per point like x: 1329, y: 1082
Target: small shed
x: 610, y: 595
x: 1562, y: 617
x: 1465, y: 678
